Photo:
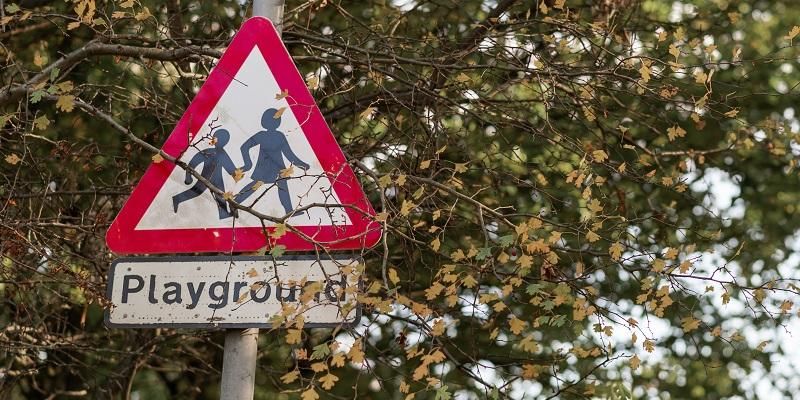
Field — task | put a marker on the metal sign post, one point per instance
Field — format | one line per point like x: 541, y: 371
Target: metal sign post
x: 241, y: 345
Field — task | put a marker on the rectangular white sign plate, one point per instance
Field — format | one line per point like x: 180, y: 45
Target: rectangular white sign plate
x: 232, y: 291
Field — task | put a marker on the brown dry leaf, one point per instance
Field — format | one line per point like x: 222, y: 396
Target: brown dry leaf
x: 252, y: 273
x: 282, y: 95
x: 279, y: 113
x: 13, y: 159
x: 425, y: 164
x: 227, y: 195
x: 157, y: 158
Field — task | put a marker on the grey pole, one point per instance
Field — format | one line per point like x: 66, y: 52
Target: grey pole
x: 241, y: 345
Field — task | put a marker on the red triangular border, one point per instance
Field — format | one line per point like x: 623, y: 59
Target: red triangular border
x: 123, y: 238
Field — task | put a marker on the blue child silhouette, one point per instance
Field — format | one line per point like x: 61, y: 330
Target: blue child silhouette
x: 214, y: 161
x: 273, y: 146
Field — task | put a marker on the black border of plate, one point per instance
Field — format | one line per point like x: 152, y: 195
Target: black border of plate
x: 222, y: 325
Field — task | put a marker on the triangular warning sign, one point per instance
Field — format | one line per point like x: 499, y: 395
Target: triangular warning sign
x: 253, y: 131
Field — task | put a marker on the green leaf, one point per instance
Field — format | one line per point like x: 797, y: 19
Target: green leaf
x: 442, y: 393
x: 12, y: 8
x: 37, y: 95
x: 534, y: 288
x: 277, y: 251
x: 54, y: 74
x: 483, y: 253
x: 320, y: 351
x: 506, y: 240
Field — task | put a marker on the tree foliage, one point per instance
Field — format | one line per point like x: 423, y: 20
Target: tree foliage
x: 581, y: 199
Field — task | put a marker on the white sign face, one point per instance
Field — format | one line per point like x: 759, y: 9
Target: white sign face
x: 232, y: 291
x: 241, y: 113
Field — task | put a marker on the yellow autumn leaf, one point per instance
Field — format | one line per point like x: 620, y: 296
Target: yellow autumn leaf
x: 406, y: 208
x: 393, y: 276
x: 356, y: 354
x: 290, y: 376
x: 328, y: 381
x: 462, y: 78
x: 634, y: 361
x: 157, y: 158
x: 675, y: 132
x: 700, y: 77
x: 425, y: 164
x: 595, y: 206
x: 516, y: 325
x: 282, y: 95
x: 384, y: 181
x: 238, y: 174
x: 126, y: 4
x: 599, y: 155
x: 278, y: 113
x: 658, y: 265
x: 65, y: 103
x: 615, y: 251
x: 674, y: 51
x: 143, y: 15
x: 469, y: 281
x: 309, y: 394
x: 793, y: 33
x: 732, y: 113
x: 293, y: 336
x: 338, y: 360
x: 278, y: 231
x: 435, y: 244
x: 312, y: 82
x: 689, y: 324
x: 286, y: 173
x: 525, y: 261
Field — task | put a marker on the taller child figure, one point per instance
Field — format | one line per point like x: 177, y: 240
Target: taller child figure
x: 273, y: 147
